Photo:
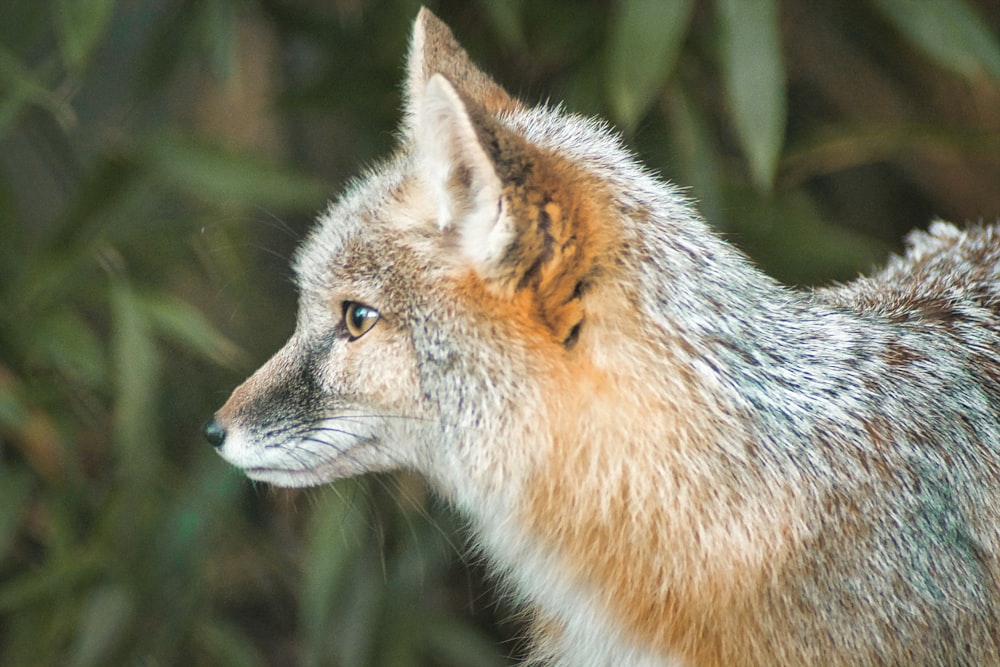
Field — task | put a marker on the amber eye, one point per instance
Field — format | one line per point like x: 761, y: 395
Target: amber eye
x: 359, y: 318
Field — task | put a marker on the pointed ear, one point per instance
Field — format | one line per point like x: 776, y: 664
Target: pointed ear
x: 434, y: 50
x: 464, y: 183
x: 528, y: 224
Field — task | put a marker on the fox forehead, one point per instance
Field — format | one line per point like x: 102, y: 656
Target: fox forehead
x: 361, y: 237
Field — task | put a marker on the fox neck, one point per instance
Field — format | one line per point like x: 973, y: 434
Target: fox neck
x: 618, y: 460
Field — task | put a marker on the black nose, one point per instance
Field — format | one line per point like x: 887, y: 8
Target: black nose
x: 214, y: 432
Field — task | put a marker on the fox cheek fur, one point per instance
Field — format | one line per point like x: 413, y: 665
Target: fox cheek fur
x: 672, y: 458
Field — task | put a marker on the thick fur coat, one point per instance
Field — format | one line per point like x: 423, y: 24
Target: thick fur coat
x: 671, y: 458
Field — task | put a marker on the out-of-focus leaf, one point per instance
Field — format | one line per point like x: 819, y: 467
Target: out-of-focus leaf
x: 332, y: 540
x: 15, y: 485
x: 218, y: 28
x: 585, y: 88
x: 24, y: 644
x: 31, y: 430
x: 12, y: 408
x: 507, y: 19
x: 460, y: 644
x: 838, y: 148
x: 187, y: 525
x: 646, y: 36
x: 103, y: 624
x: 355, y: 631
x: 136, y: 370
x: 787, y: 234
x: 225, y: 646
x: 113, y: 196
x: 696, y: 153
x: 81, y: 25
x: 52, y: 581
x: 948, y: 31
x: 11, y: 250
x: 21, y: 87
x: 182, y: 323
x: 218, y: 175
x: 754, y: 80
x: 63, y: 340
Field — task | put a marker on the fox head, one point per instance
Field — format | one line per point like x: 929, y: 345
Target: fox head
x: 455, y: 299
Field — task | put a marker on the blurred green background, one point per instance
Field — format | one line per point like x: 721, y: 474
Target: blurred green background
x: 159, y: 161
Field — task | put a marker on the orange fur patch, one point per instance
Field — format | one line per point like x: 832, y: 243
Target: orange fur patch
x: 562, y: 238
x: 620, y: 508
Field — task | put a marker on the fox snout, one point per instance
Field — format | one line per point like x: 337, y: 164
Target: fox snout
x: 324, y: 407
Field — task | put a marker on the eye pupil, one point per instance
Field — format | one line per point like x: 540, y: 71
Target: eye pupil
x: 359, y: 318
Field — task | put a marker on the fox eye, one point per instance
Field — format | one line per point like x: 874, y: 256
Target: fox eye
x: 359, y: 318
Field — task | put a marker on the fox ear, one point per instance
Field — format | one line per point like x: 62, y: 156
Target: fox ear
x: 434, y: 50
x: 464, y: 183
x: 450, y: 107
x: 522, y: 221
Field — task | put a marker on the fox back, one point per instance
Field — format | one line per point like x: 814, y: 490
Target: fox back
x: 671, y: 458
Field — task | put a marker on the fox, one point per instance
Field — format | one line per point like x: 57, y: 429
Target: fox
x: 667, y: 457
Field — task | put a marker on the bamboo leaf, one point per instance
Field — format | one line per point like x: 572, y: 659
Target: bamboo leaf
x: 508, y: 21
x: 696, y: 152
x: 104, y: 621
x: 13, y: 411
x: 754, y: 81
x: 22, y: 87
x: 81, y: 25
x: 646, y: 37
x: 332, y: 543
x: 950, y: 32
x: 457, y: 642
x: 51, y: 582
x: 65, y: 341
x: 225, y: 645
x: 216, y: 174
x: 136, y: 368
x: 15, y: 485
x: 218, y: 26
x: 185, y: 532
x: 182, y: 323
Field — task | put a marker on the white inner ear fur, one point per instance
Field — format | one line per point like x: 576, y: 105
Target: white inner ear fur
x: 462, y: 180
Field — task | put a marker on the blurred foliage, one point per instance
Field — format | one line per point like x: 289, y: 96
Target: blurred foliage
x: 160, y: 158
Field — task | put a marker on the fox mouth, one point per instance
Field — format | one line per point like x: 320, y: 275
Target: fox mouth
x: 314, y: 473
x: 322, y: 473
x: 289, y: 477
